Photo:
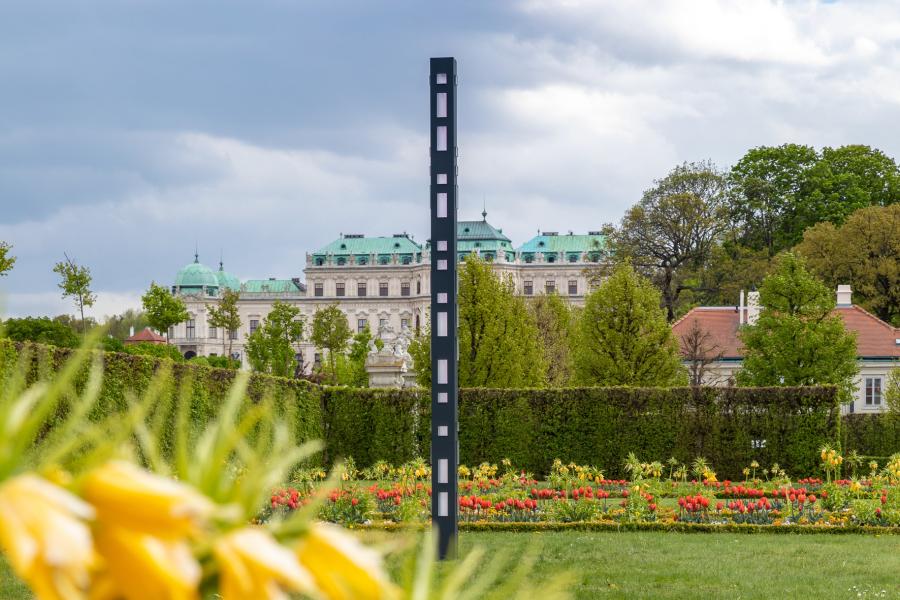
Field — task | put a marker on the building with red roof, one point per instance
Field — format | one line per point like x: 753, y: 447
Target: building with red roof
x: 710, y: 342
x: 146, y: 335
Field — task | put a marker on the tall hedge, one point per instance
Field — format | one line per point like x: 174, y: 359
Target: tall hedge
x: 871, y: 435
x: 729, y: 426
x: 125, y: 374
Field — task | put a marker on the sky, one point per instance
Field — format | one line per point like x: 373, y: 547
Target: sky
x: 133, y: 131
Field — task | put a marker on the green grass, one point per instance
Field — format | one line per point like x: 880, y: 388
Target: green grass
x: 733, y: 566
x: 678, y: 565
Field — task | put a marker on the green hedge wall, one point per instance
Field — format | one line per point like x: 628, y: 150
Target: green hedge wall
x: 599, y: 426
x: 871, y: 435
x: 299, y: 402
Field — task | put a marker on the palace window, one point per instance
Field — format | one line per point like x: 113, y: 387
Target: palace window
x: 213, y: 334
x: 404, y: 323
x: 171, y: 332
x: 418, y: 286
x: 341, y: 261
x: 361, y: 325
x: 339, y: 288
x: 873, y: 391
x: 573, y: 287
x: 529, y: 288
x: 383, y: 288
x: 232, y: 334
x: 319, y: 289
x: 190, y: 329
x: 404, y: 288
x: 550, y: 286
x: 254, y: 325
x: 360, y: 289
x: 382, y: 323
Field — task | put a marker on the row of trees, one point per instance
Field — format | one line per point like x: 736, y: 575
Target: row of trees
x: 701, y: 234
x: 622, y: 337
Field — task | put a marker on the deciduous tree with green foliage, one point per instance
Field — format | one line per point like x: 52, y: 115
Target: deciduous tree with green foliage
x: 555, y: 319
x: 670, y: 233
x: 499, y: 343
x: 7, y: 260
x: 163, y: 309
x: 797, y: 340
x: 331, y: 333
x: 225, y: 316
x: 76, y: 284
x: 863, y: 252
x: 272, y: 348
x: 42, y: 330
x: 624, y: 337
x: 120, y: 326
x: 351, y: 367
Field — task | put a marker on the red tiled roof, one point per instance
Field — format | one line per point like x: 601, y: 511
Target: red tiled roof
x: 147, y: 335
x: 874, y: 337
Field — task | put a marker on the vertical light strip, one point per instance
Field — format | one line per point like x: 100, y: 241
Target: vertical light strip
x: 442, y: 205
x: 441, y: 105
x: 442, y: 371
x: 442, y: 324
x: 442, y: 470
x: 442, y: 504
x: 441, y: 138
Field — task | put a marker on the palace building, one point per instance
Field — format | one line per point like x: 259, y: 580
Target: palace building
x: 378, y: 282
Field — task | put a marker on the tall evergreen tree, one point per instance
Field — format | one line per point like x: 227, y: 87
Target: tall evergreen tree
x: 624, y: 337
x: 555, y: 320
x: 498, y: 337
x: 797, y: 340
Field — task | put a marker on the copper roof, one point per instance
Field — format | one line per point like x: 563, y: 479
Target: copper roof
x: 874, y: 337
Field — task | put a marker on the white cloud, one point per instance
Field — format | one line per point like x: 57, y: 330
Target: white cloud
x: 52, y: 304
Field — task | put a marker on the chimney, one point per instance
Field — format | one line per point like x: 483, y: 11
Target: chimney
x: 741, y: 309
x: 131, y: 331
x: 844, y: 295
x: 752, y: 307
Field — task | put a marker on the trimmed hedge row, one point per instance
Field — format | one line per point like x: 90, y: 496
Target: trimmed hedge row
x: 599, y: 426
x: 871, y: 435
x: 129, y: 375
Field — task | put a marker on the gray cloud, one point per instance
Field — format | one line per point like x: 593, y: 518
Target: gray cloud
x: 132, y: 131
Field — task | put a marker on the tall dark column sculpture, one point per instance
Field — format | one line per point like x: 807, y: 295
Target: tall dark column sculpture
x: 444, y: 344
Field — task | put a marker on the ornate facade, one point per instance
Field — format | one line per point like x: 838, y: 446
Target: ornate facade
x: 378, y: 282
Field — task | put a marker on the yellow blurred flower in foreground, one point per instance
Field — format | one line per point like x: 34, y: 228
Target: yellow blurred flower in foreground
x: 253, y: 566
x: 144, y: 567
x: 47, y: 540
x: 342, y: 567
x: 129, y: 497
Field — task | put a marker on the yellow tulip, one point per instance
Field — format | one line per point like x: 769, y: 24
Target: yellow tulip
x: 129, y: 497
x: 145, y: 567
x: 252, y: 565
x: 44, y: 532
x: 342, y: 567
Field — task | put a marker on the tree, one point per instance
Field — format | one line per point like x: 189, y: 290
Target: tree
x: 226, y: 317
x: 76, y: 284
x: 42, y: 330
x: 699, y: 350
x: 499, y: 343
x: 796, y: 339
x: 120, y: 326
x: 624, y: 338
x: 163, y: 309
x: 331, y: 333
x: 272, y: 347
x: 555, y: 320
x: 892, y: 392
x: 768, y: 185
x: 846, y: 179
x: 672, y: 230
x: 863, y: 252
x: 7, y: 261
x: 351, y: 368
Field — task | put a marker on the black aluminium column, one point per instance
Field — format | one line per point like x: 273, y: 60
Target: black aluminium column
x: 444, y: 346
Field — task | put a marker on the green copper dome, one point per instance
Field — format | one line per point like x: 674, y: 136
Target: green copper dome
x: 227, y: 280
x: 196, y: 276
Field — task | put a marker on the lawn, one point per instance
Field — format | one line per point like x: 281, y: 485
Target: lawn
x: 677, y: 565
x: 733, y: 566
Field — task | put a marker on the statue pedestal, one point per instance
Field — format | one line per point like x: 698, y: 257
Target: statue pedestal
x: 391, y: 366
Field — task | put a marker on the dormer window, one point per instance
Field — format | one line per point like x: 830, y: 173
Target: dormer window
x: 343, y: 246
x: 541, y: 244
x: 320, y: 261
x: 341, y: 261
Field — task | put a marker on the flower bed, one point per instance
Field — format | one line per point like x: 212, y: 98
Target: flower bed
x: 577, y: 494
